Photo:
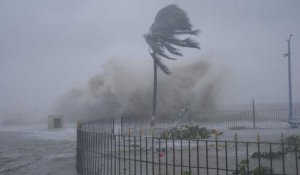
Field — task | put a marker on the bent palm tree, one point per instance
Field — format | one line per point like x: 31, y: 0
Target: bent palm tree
x: 169, y: 22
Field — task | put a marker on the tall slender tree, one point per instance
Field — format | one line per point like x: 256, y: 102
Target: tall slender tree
x: 170, y: 22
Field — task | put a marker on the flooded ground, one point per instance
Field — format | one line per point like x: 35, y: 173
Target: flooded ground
x: 37, y: 150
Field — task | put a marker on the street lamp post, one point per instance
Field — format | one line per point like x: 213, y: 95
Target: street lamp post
x: 290, y: 82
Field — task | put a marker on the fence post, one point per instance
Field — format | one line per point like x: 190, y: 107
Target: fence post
x: 113, y: 126
x: 283, y: 154
x: 129, y: 132
x: 258, y: 139
x: 253, y: 114
x: 217, y: 152
x: 121, y: 125
x: 77, y: 148
x: 78, y: 124
x: 236, y: 153
x: 141, y: 131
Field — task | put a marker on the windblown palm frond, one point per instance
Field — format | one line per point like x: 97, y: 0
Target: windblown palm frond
x: 161, y: 65
x: 170, y: 22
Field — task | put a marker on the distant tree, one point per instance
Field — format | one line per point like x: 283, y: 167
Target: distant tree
x: 170, y: 22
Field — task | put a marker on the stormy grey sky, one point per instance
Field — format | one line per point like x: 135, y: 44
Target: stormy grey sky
x: 48, y: 47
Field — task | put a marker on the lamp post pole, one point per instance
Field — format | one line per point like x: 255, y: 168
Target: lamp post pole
x: 290, y: 79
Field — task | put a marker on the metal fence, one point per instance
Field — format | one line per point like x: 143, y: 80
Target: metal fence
x: 248, y: 116
x: 101, y: 150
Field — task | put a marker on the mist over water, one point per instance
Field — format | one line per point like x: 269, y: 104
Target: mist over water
x: 51, y: 51
x: 21, y: 116
x: 124, y: 88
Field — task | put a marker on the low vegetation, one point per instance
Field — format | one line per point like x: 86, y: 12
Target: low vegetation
x: 257, y: 171
x: 268, y: 155
x: 189, y: 132
x: 293, y: 143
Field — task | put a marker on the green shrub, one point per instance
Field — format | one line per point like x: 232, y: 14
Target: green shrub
x: 293, y: 143
x: 262, y: 171
x: 186, y: 173
x: 186, y: 132
x: 268, y: 155
x: 257, y: 171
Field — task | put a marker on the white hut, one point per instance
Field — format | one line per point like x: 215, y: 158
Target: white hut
x: 55, y: 121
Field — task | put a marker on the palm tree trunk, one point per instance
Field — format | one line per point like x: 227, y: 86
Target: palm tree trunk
x: 154, y: 91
